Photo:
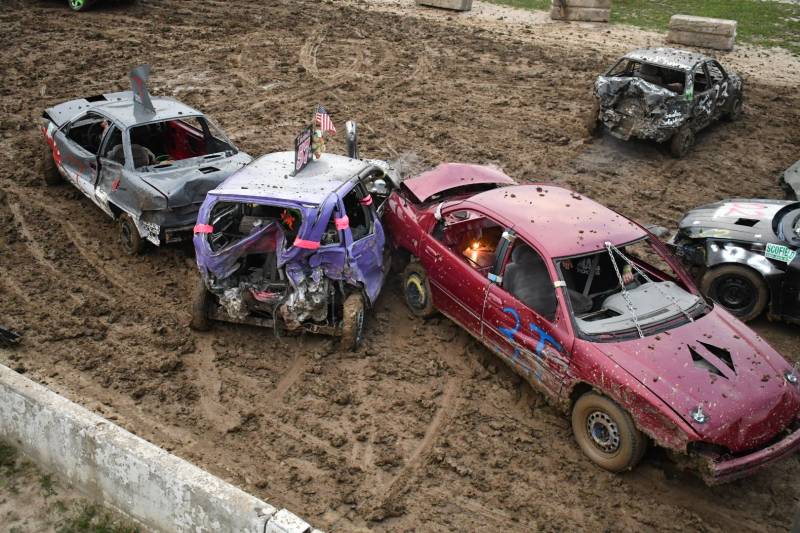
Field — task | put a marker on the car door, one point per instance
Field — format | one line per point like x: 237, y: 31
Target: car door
x: 111, y: 185
x: 364, y: 239
x: 78, y: 142
x: 457, y: 258
x: 533, y: 335
x: 705, y: 97
x: 720, y: 82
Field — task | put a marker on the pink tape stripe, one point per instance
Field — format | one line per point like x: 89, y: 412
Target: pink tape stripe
x: 204, y: 228
x: 306, y: 245
x: 367, y: 200
x: 342, y: 223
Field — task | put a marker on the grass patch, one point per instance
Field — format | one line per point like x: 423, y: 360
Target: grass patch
x: 762, y: 22
x: 90, y: 518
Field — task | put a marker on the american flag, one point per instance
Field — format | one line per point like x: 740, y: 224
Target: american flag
x: 324, y: 119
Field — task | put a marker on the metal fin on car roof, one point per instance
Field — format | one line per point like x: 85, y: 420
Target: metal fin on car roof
x: 142, y: 105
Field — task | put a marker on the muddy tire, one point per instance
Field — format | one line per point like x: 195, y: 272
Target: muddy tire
x: 353, y: 322
x: 49, y: 169
x: 739, y: 289
x: 417, y: 291
x: 593, y: 126
x: 201, y: 305
x: 681, y: 142
x: 735, y: 112
x: 606, y: 433
x: 80, y: 5
x: 132, y: 243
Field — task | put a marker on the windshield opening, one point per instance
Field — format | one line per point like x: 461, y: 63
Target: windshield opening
x: 174, y: 140
x: 667, y: 78
x: 232, y: 222
x: 630, y: 289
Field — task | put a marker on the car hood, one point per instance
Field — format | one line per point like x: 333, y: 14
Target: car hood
x: 717, y: 363
x: 748, y: 220
x: 185, y: 183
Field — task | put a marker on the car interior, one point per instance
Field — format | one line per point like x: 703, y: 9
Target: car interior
x: 667, y: 78
x: 88, y: 131
x: 163, y: 143
x: 358, y: 213
x: 472, y: 237
x: 527, y: 279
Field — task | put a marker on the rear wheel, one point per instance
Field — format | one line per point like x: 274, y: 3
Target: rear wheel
x: 682, y: 141
x: 606, y: 433
x: 353, y: 322
x: 129, y: 237
x: 49, y: 169
x: 740, y: 290
x: 593, y: 126
x: 201, y: 305
x: 417, y: 291
x: 80, y: 5
x: 736, y: 109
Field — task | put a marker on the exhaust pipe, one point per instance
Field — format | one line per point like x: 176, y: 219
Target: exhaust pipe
x: 351, y: 131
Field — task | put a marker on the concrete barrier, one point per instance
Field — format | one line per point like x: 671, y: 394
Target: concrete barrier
x: 119, y: 469
x: 581, y: 10
x: 457, y: 5
x: 703, y: 32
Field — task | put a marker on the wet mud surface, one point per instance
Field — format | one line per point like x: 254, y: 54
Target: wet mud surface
x: 423, y: 428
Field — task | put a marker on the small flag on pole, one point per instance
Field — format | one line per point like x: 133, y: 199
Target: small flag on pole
x: 324, y: 120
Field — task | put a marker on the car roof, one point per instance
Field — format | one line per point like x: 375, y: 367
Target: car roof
x: 667, y: 57
x: 119, y: 107
x: 270, y: 176
x: 559, y: 221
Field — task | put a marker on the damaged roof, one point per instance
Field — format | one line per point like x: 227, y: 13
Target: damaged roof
x: 270, y: 176
x: 119, y: 107
x: 561, y: 221
x: 667, y: 57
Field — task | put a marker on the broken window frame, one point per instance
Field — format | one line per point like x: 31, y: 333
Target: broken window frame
x: 633, y: 73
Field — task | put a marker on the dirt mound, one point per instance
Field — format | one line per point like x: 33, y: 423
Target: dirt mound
x: 422, y: 428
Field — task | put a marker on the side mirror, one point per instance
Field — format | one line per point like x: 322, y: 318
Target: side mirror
x: 351, y: 132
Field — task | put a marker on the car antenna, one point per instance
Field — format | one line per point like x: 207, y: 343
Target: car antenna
x: 142, y: 105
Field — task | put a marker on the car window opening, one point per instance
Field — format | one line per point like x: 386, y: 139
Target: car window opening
x: 527, y: 279
x: 113, y: 146
x: 163, y: 143
x: 88, y: 131
x: 232, y: 222
x: 472, y: 237
x: 627, y: 289
x: 358, y: 213
x: 665, y: 77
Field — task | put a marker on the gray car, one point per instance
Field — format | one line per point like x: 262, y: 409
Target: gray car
x: 664, y: 94
x: 147, y: 162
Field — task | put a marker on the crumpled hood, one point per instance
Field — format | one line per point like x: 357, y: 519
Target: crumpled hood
x: 610, y: 88
x: 740, y: 219
x: 718, y: 363
x: 186, y: 184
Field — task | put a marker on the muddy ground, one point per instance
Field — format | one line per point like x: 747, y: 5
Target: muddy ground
x: 422, y: 429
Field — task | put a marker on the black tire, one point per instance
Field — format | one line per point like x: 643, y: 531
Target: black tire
x: 606, y: 433
x: 417, y: 290
x: 681, y: 142
x: 51, y: 174
x: 201, y: 305
x: 593, y: 126
x: 129, y: 237
x: 80, y: 5
x: 353, y: 316
x: 739, y: 289
x: 736, y: 109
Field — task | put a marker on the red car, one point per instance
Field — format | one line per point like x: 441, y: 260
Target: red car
x: 593, y: 310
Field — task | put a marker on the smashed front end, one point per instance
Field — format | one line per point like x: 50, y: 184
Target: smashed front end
x: 633, y: 107
x: 267, y: 264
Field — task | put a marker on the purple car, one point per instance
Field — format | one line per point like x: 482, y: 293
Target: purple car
x: 301, y: 251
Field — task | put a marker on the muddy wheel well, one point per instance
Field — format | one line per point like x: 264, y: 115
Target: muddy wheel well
x: 577, y: 391
x: 115, y: 210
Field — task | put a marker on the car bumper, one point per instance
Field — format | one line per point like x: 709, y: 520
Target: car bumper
x: 730, y: 469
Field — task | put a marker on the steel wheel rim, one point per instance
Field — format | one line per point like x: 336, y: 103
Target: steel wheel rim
x: 603, y: 432
x: 735, y: 293
x: 125, y: 233
x: 415, y: 293
x: 77, y: 4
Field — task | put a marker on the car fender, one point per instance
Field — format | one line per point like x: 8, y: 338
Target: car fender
x: 651, y: 414
x: 720, y: 253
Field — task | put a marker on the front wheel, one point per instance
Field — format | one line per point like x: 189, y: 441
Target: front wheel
x: 606, y: 433
x: 201, y: 304
x: 353, y: 322
x: 739, y: 289
x: 682, y: 141
x: 129, y: 237
x: 593, y: 126
x: 736, y: 110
